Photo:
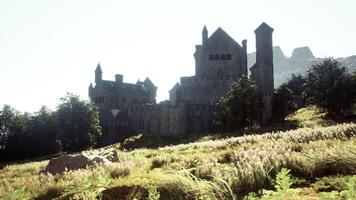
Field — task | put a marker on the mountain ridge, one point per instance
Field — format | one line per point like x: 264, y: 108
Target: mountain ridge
x: 298, y: 63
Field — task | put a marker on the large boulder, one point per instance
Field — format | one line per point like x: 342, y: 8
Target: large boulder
x: 80, y: 161
x: 66, y: 162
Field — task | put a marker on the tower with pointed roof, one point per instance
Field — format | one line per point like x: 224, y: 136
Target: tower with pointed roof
x: 204, y: 35
x: 262, y: 70
x: 98, y: 74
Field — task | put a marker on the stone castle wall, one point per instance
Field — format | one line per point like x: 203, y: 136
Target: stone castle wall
x: 127, y: 109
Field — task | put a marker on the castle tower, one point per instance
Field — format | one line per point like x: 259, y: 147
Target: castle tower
x: 264, y: 58
x: 262, y: 72
x: 98, y: 74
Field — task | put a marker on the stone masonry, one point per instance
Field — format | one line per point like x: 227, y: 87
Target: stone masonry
x: 127, y: 109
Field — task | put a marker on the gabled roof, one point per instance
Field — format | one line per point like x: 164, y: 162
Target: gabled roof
x: 175, y: 87
x: 221, y: 37
x: 264, y: 27
x: 148, y: 82
x: 98, y: 68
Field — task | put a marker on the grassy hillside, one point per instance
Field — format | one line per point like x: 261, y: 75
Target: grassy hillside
x: 318, y: 162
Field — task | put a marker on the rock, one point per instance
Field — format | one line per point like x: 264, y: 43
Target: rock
x: 111, y: 155
x: 66, y: 162
x: 80, y: 161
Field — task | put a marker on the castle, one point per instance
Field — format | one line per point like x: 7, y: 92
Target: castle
x: 127, y: 109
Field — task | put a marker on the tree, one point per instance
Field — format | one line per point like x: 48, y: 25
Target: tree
x: 330, y: 87
x: 44, y: 132
x: 6, y: 115
x: 78, y: 123
x: 296, y: 84
x: 282, y: 103
x: 17, y: 132
x: 240, y: 107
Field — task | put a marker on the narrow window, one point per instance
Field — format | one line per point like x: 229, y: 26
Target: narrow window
x: 228, y: 56
x: 222, y: 56
x: 216, y: 57
x: 211, y: 57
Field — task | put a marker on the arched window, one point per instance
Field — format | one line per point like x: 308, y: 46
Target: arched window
x: 211, y: 57
x: 222, y: 56
x: 216, y: 57
x: 228, y: 56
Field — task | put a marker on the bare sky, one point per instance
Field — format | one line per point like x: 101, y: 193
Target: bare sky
x: 50, y: 47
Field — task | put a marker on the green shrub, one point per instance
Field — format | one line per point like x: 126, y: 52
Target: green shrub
x: 153, y: 194
x: 350, y: 193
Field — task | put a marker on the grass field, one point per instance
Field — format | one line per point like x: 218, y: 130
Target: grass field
x: 315, y: 161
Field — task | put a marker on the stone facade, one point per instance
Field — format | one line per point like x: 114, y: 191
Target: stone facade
x: 127, y: 108
x: 219, y: 61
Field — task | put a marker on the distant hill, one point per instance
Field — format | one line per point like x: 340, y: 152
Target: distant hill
x: 298, y: 63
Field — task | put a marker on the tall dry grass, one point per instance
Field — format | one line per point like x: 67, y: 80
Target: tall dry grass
x: 214, y: 169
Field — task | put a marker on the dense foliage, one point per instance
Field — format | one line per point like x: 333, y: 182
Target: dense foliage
x: 79, y: 124
x: 296, y: 84
x: 240, y: 107
x: 329, y: 86
x: 282, y: 103
x: 72, y: 127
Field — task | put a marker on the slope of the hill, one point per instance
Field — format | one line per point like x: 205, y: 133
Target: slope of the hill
x: 298, y: 63
x: 321, y: 160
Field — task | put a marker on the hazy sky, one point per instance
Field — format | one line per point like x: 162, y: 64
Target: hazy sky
x: 50, y: 47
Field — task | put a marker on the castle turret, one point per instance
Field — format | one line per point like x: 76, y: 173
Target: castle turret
x: 151, y: 88
x: 204, y: 35
x: 98, y: 74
